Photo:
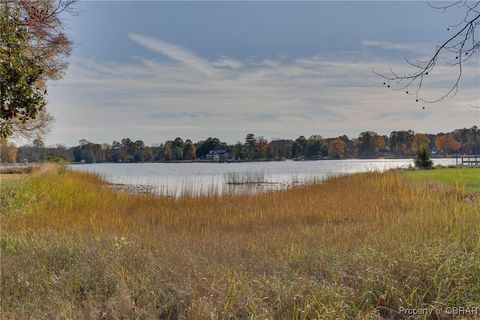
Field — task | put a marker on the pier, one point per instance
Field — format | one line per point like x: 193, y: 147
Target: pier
x: 468, y: 160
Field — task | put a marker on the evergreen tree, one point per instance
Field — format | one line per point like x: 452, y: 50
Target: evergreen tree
x: 422, y: 160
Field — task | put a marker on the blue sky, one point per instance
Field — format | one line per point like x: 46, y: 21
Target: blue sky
x: 157, y: 70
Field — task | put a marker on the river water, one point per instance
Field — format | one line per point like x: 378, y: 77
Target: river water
x: 247, y: 177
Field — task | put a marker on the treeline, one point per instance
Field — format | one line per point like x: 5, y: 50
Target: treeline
x: 399, y: 144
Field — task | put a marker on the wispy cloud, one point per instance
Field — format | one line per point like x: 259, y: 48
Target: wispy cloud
x: 173, y: 52
x: 194, y: 97
x: 421, y: 48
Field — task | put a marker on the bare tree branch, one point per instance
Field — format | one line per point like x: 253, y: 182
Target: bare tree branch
x: 458, y: 49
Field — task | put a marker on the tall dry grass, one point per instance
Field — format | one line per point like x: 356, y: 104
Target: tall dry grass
x: 353, y: 247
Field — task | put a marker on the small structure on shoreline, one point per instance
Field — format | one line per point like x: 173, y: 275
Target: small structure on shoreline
x: 219, y: 155
x: 468, y: 160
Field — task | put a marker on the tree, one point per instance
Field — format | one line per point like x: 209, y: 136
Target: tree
x: 314, y: 147
x: 239, y: 151
x: 33, y: 50
x: 89, y: 156
x: 302, y: 141
x: 368, y: 141
x: 401, y: 142
x: 38, y: 142
x: 250, y: 142
x: 61, y: 151
x: 422, y: 160
x: 8, y: 153
x: 281, y: 148
x: 138, y: 152
x: 177, y: 148
x: 469, y: 139
x: 381, y: 142
x: 459, y: 47
x: 167, y: 151
x: 85, y: 151
x: 33, y: 129
x: 21, y: 97
x: 128, y: 146
x: 143, y: 154
x: 420, y: 141
x: 297, y: 150
x: 157, y: 151
x: 189, y: 150
x: 348, y: 145
x: 447, y: 143
x: 138, y: 144
x: 117, y: 153
x: 47, y: 39
x: 204, y: 147
x: 336, y: 149
x: 261, y: 148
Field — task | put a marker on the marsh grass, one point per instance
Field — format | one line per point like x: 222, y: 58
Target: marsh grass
x: 352, y: 247
x: 237, y: 178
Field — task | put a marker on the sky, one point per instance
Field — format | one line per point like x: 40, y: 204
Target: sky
x: 157, y: 70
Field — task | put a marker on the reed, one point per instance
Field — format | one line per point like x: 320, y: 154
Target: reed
x: 236, y: 178
x: 357, y: 246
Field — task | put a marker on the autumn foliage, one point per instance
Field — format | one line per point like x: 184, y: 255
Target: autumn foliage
x: 8, y: 153
x: 447, y: 144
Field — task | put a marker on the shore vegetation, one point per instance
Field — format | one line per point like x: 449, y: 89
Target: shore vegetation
x: 358, y: 246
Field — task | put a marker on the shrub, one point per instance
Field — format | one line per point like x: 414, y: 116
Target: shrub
x: 55, y: 159
x: 422, y: 160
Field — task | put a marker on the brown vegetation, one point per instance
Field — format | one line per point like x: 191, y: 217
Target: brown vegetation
x: 447, y: 143
x: 8, y: 153
x: 352, y: 247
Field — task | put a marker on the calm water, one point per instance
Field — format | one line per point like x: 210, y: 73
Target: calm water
x: 200, y: 178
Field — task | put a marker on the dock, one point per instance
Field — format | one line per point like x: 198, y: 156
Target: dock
x: 468, y: 160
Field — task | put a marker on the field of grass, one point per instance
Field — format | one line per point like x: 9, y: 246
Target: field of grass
x: 8, y: 179
x: 469, y: 177
x: 354, y: 247
x: 9, y: 182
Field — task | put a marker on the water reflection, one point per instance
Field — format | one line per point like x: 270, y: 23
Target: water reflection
x: 253, y: 177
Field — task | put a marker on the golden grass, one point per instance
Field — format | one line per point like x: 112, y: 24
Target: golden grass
x: 352, y: 247
x: 11, y: 176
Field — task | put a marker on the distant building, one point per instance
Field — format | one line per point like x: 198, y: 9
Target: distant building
x: 219, y: 155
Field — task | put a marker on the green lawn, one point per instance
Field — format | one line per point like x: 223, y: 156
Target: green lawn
x: 470, y: 177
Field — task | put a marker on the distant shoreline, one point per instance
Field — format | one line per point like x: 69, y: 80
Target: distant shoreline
x: 250, y: 161
x: 27, y: 167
